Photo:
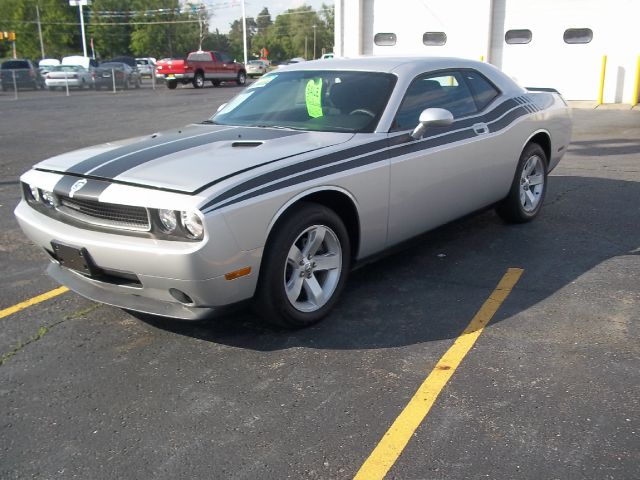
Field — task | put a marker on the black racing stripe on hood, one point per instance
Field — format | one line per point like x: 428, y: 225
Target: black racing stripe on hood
x: 83, y: 167
x: 86, y: 188
x: 117, y: 161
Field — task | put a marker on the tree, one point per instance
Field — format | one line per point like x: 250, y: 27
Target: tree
x: 59, y: 38
x: 110, y: 27
x: 235, y: 35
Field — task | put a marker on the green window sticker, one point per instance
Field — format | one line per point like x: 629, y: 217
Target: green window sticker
x: 313, y: 97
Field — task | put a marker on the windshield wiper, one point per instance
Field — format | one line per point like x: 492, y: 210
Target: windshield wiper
x: 209, y: 122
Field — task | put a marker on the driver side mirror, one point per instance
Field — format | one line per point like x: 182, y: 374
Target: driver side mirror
x: 431, y: 117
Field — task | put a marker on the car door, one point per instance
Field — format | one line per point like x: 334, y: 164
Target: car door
x: 450, y: 171
x: 228, y: 66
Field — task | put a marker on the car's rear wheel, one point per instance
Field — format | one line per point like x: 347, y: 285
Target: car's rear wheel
x: 138, y: 82
x: 198, y: 80
x: 241, y: 79
x: 528, y: 189
x: 126, y: 84
x: 304, y: 268
x: 172, y: 84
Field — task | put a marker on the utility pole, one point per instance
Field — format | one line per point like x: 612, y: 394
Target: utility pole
x: 40, y: 31
x: 305, y: 48
x: 314, y: 41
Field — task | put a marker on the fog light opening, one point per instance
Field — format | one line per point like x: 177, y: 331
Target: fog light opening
x: 181, y: 296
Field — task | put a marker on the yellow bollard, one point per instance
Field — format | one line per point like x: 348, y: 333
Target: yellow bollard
x: 602, y: 74
x: 482, y: 58
x: 636, y: 84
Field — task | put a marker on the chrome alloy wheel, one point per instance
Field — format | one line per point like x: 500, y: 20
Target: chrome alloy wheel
x: 313, y: 268
x: 532, y: 183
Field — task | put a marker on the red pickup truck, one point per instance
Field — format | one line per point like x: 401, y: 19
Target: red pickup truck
x: 199, y: 67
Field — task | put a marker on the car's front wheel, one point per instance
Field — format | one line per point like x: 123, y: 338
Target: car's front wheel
x: 304, y: 268
x: 528, y: 188
x: 172, y: 84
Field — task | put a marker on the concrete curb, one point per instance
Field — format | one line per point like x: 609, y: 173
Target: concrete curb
x: 591, y: 105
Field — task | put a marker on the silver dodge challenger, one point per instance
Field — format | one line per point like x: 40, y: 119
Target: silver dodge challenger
x: 309, y: 170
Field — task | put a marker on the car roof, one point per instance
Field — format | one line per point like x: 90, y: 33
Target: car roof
x: 406, y: 67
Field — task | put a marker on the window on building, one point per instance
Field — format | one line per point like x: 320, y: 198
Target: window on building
x: 446, y: 90
x: 434, y: 39
x: 385, y: 39
x: 521, y: 36
x: 578, y: 35
x: 484, y: 92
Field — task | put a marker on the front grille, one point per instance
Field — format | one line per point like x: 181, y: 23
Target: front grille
x: 106, y: 214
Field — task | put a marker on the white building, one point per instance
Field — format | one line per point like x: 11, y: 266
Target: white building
x: 541, y: 43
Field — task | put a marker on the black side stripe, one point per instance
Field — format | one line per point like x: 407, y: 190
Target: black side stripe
x: 359, y: 150
x: 341, y: 167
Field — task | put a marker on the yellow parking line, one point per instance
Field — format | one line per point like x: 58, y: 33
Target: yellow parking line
x: 395, y: 440
x: 32, y: 301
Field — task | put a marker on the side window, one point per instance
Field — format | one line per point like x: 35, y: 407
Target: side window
x: 446, y: 90
x: 218, y: 56
x: 482, y: 90
x: 225, y: 58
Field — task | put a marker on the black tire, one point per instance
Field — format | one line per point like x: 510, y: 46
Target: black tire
x: 198, y: 80
x: 516, y: 206
x: 241, y: 79
x: 172, y: 84
x: 271, y: 301
x: 126, y: 84
x: 215, y: 83
x: 138, y: 82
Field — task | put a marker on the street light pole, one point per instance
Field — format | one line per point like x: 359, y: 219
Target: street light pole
x: 80, y: 4
x: 84, y: 40
x: 244, y: 33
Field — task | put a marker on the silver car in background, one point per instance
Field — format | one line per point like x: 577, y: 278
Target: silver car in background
x: 312, y: 168
x: 72, y: 76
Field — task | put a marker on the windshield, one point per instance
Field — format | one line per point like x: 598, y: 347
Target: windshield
x: 325, y: 101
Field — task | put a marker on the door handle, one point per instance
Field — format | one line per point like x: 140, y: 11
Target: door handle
x: 480, y: 128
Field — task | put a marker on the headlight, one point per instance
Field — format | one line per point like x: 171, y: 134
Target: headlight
x: 49, y: 199
x: 192, y: 224
x: 168, y: 220
x: 35, y: 193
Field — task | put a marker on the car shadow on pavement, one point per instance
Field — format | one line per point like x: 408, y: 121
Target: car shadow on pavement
x: 431, y: 289
x: 605, y: 147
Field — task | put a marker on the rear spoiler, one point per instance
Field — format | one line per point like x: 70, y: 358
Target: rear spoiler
x: 542, y: 89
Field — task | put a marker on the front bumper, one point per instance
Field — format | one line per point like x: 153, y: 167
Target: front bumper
x: 160, y: 267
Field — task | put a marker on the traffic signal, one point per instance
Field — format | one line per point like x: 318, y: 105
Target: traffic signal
x: 12, y: 36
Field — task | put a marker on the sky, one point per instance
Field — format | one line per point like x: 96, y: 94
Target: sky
x: 226, y: 11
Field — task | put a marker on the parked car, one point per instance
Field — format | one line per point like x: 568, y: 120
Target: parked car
x: 146, y: 66
x: 73, y: 76
x: 256, y: 68
x: 326, y: 56
x: 125, y: 76
x: 132, y: 62
x: 23, y: 72
x: 202, y: 66
x: 309, y: 170
x: 45, y: 65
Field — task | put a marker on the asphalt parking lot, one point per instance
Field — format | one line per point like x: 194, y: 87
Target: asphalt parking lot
x: 550, y: 389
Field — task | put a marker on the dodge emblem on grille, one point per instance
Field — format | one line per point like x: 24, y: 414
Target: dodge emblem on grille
x: 77, y: 186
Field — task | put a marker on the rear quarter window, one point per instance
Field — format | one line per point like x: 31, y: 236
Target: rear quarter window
x: 483, y: 91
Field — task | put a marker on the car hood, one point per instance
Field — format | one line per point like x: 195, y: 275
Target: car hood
x: 187, y: 159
